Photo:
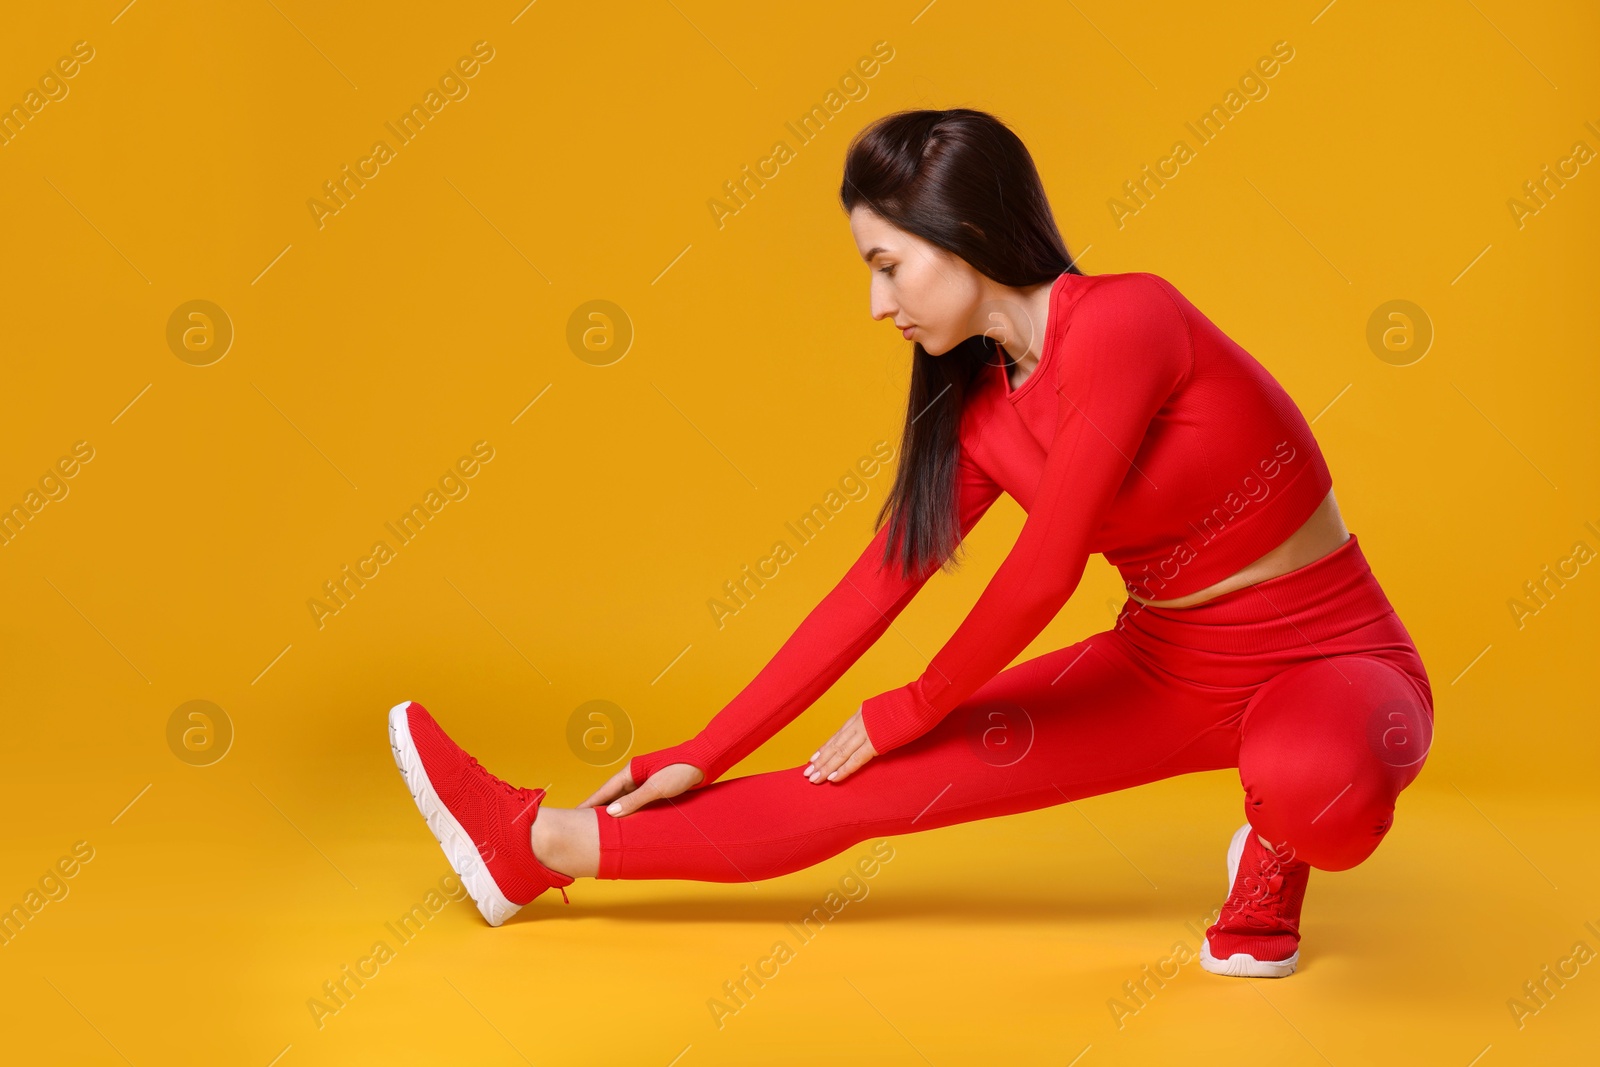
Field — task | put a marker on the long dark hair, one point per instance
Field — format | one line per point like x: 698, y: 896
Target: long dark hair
x: 961, y: 180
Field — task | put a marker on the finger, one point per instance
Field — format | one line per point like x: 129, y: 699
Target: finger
x: 834, y: 754
x: 632, y: 802
x: 836, y: 769
x: 857, y: 758
x: 816, y: 758
x: 822, y: 762
x: 615, y: 787
x: 619, y: 784
x: 599, y: 796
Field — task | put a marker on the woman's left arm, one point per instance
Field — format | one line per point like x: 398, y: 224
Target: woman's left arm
x: 1125, y: 351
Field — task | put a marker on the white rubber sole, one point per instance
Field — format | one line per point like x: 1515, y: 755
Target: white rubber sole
x: 453, y: 839
x: 1242, y: 964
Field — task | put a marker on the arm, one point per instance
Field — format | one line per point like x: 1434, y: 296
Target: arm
x: 1125, y: 350
x: 831, y: 638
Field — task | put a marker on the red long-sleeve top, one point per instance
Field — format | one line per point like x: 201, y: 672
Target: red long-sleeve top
x: 1143, y: 433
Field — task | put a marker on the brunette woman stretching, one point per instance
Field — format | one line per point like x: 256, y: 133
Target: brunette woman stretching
x: 1125, y: 423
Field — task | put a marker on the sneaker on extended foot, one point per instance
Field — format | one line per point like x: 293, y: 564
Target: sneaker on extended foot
x: 482, y: 823
x: 1257, y: 934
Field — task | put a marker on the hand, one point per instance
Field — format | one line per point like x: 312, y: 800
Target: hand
x: 844, y: 752
x: 623, y: 798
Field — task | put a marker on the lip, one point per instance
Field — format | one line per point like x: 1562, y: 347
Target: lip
x: 906, y: 330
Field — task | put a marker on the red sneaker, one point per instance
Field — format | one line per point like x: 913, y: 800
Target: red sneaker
x: 482, y: 823
x: 1257, y: 935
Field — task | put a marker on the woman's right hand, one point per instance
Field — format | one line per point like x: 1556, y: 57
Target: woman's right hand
x: 622, y: 797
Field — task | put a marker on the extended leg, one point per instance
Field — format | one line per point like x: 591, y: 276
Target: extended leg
x: 1072, y: 723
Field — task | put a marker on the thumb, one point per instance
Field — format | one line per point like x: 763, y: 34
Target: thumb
x: 631, y: 802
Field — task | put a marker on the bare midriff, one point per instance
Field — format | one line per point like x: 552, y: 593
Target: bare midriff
x: 1323, y: 532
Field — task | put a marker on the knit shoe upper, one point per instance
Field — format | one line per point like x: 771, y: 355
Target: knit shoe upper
x: 1261, y: 919
x: 482, y: 822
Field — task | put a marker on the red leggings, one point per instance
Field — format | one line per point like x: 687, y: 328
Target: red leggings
x: 1307, y: 682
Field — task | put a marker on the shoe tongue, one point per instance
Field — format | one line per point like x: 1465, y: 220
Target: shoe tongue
x: 1280, y: 858
x: 527, y: 807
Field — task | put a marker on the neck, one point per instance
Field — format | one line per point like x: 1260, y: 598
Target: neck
x: 1017, y: 319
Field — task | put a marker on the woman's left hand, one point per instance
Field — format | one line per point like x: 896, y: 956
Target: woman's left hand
x: 845, y: 751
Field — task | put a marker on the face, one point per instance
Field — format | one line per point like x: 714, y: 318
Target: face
x: 917, y: 284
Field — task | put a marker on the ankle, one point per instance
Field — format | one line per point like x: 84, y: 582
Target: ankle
x: 546, y: 838
x: 1285, y: 855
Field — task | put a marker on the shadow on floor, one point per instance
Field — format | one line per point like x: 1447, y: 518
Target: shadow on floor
x: 977, y: 906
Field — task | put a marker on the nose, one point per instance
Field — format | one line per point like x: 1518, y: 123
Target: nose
x: 881, y: 306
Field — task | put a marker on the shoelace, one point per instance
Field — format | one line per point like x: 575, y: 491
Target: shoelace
x: 500, y: 783
x: 1260, y: 894
x: 523, y: 794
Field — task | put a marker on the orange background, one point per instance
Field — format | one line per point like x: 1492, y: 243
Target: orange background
x: 435, y: 310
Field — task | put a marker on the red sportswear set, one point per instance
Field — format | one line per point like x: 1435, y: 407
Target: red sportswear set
x: 1146, y: 435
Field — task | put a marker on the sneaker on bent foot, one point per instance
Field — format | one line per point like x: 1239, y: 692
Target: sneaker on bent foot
x: 1257, y: 935
x: 483, y: 824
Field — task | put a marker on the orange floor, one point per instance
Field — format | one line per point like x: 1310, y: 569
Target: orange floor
x: 205, y: 925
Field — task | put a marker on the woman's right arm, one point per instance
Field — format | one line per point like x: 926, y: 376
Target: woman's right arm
x: 831, y: 638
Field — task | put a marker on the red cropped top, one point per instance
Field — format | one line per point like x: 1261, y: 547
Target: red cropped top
x: 1143, y: 434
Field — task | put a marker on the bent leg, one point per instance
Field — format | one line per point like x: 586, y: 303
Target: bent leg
x: 1076, y: 722
x: 1326, y: 747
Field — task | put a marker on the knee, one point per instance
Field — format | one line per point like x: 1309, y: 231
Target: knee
x: 1330, y: 834
x: 1319, y: 759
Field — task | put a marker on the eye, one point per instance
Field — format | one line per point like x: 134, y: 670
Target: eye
x: 887, y: 270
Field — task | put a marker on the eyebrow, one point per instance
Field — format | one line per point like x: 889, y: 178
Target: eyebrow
x: 874, y: 250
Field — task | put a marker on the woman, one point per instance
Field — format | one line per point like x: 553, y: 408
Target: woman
x: 1125, y: 423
